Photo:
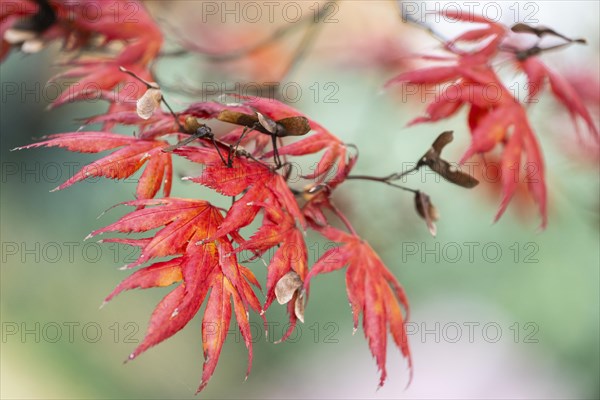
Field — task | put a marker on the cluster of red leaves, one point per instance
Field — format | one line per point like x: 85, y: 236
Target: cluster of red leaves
x: 204, y: 241
x: 469, y: 78
x: 197, y: 245
x: 88, y: 25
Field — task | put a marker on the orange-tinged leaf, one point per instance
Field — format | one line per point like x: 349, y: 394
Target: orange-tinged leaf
x: 310, y: 145
x: 355, y: 288
x: 278, y: 224
x: 564, y: 92
x: 286, y: 198
x: 158, y: 172
x: 203, y: 268
x: 120, y: 164
x: 138, y: 35
x: 163, y: 324
x: 156, y: 275
x: 444, y: 108
x: 177, y: 308
x: 370, y: 285
x: 95, y: 79
x: 325, y: 165
x: 185, y: 222
x: 397, y: 320
x: 333, y: 259
x: 231, y: 181
x: 243, y: 211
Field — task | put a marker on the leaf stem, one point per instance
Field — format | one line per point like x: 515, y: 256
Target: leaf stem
x: 343, y: 218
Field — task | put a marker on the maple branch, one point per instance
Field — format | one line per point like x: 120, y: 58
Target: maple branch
x: 432, y: 159
x: 386, y: 179
x: 278, y: 34
x: 524, y: 54
x: 307, y: 40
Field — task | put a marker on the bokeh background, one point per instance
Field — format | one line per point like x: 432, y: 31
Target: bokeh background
x: 498, y: 310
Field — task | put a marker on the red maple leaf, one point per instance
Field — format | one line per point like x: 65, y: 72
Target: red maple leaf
x: 200, y: 268
x: 373, y: 291
x: 121, y: 163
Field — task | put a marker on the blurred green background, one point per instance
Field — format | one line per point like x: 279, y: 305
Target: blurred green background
x: 518, y: 317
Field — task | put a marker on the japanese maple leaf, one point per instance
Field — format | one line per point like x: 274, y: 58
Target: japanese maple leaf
x: 102, y: 79
x: 493, y: 128
x: 159, y: 124
x: 468, y: 81
x: 373, y: 291
x: 120, y: 164
x: 200, y: 268
x: 468, y: 71
x: 279, y: 229
x: 227, y: 180
x: 335, y: 162
x: 489, y: 172
x: 242, y: 176
x: 184, y: 222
